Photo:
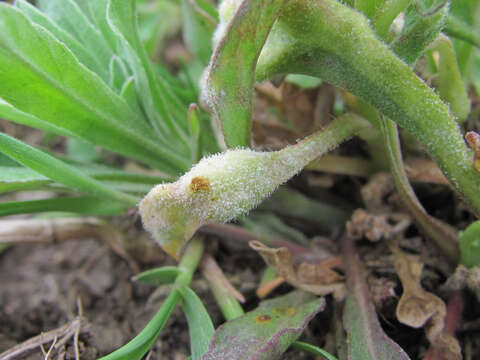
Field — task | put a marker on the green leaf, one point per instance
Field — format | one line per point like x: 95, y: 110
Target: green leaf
x: 470, y: 245
x: 81, y: 52
x: 86, y: 205
x: 418, y: 32
x: 7, y: 111
x: 369, y: 7
x: 365, y: 337
x: 198, y: 28
x: 158, y: 276
x: 461, y: 30
x: 313, y: 350
x: 162, y: 107
x: 70, y: 17
x: 200, y: 325
x: 303, y: 81
x: 68, y: 95
x: 450, y: 84
x: 228, y: 86
x: 139, y: 345
x: 13, y: 178
x: 118, y: 73
x: 266, y: 332
x: 58, y: 171
x: 80, y: 150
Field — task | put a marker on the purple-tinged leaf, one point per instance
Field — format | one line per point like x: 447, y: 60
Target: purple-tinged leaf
x: 230, y: 77
x: 365, y: 337
x: 266, y: 332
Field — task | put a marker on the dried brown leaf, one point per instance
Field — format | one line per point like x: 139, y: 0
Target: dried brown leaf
x: 317, y: 278
x: 464, y: 277
x: 420, y: 308
x: 375, y: 227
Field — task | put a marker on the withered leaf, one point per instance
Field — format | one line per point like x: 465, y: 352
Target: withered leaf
x: 420, y: 308
x: 317, y: 278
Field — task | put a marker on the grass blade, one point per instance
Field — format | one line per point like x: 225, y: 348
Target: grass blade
x: 86, y: 205
x: 139, y: 345
x: 313, y: 350
x: 62, y: 172
x: 200, y: 325
x: 158, y: 276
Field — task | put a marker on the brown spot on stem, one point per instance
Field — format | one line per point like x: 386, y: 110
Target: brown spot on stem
x: 262, y: 319
x: 199, y: 183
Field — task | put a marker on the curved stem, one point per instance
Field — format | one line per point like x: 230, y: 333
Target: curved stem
x: 443, y: 236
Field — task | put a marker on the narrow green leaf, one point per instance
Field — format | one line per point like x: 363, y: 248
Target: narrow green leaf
x: 68, y: 95
x: 14, y: 178
x: 366, y: 339
x: 158, y: 276
x: 418, y: 32
x: 139, y: 345
x: 98, y: 14
x: 118, y: 73
x: 82, y: 151
x: 58, y: 171
x: 470, y: 245
x: 450, y: 84
x: 86, y: 205
x: 200, y: 325
x: 313, y: 350
x: 160, y: 104
x: 7, y: 111
x: 463, y: 31
x: 369, y: 7
x: 303, y: 81
x: 198, y: 28
x: 228, y: 86
x: 266, y: 332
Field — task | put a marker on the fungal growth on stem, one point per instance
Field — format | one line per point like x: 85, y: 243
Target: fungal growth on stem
x: 224, y: 186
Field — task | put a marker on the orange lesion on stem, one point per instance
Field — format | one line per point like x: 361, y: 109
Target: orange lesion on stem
x: 199, y: 183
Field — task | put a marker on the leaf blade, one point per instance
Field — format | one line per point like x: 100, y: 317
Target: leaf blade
x: 272, y: 327
x: 64, y: 173
x: 200, y: 325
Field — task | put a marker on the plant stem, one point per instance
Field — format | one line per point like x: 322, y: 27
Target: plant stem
x: 145, y: 339
x: 343, y: 165
x: 444, y: 237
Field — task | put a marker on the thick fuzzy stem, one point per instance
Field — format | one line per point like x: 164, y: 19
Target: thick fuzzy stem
x: 223, y: 186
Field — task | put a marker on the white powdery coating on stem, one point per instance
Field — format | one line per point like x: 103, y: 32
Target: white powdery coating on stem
x: 223, y: 186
